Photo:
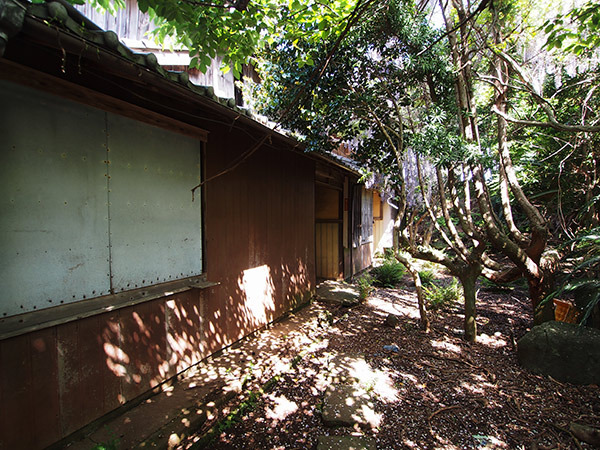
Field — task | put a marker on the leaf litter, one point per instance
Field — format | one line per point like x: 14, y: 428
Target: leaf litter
x: 449, y: 394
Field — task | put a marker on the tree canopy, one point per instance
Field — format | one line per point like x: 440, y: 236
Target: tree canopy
x: 487, y: 129
x: 236, y: 30
x: 464, y: 122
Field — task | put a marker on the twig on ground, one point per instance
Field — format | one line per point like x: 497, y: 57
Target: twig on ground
x: 447, y: 408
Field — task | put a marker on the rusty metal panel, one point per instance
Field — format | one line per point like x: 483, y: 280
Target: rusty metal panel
x: 53, y: 224
x: 155, y: 227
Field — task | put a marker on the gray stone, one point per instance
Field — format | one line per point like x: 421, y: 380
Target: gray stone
x: 565, y: 351
x: 347, y: 405
x: 392, y: 320
x: 346, y: 443
x: 338, y: 292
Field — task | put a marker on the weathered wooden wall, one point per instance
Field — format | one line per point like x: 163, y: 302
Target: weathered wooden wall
x: 258, y: 234
x: 259, y: 245
x: 259, y: 228
x: 56, y: 380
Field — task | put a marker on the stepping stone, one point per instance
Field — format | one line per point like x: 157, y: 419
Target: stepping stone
x: 346, y: 405
x: 346, y: 443
x: 338, y: 292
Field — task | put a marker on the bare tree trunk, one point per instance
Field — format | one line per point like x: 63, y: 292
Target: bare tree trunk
x: 539, y: 280
x: 468, y: 280
x: 422, y: 302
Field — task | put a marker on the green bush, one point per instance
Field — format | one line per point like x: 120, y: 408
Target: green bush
x: 427, y: 277
x: 389, y: 274
x: 441, y: 297
x: 365, y: 286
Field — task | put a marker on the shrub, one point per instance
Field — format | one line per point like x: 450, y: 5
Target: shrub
x: 365, y: 286
x: 441, y: 297
x: 389, y: 274
x: 427, y: 277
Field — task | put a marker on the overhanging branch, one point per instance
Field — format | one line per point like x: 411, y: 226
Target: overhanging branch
x: 552, y: 124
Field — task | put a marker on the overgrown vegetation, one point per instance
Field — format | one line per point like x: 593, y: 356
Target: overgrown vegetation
x: 365, y: 286
x: 443, y: 296
x: 477, y: 150
x: 388, y: 275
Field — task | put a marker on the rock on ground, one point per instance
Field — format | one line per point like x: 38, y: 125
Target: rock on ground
x: 348, y: 404
x: 392, y: 320
x: 338, y: 292
x: 565, y: 351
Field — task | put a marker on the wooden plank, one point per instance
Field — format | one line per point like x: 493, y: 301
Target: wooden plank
x: 69, y: 367
x: 44, y: 387
x: 185, y: 345
x: 37, y: 320
x: 143, y: 341
x: 15, y: 394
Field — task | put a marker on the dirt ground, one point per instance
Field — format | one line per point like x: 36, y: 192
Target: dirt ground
x: 444, y: 392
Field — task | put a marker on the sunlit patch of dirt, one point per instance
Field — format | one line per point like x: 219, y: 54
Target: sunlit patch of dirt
x: 436, y: 392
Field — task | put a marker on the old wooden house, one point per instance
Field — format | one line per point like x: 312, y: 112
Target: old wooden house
x: 145, y: 223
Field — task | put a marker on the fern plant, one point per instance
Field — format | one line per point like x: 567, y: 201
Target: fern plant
x: 441, y: 297
x: 389, y: 274
x: 365, y: 286
x: 427, y: 276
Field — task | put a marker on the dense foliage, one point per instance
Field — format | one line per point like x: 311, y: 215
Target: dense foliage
x: 496, y: 160
x: 237, y: 29
x: 486, y: 130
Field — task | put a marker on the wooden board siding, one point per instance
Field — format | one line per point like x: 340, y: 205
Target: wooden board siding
x: 328, y: 245
x: 328, y: 216
x: 361, y: 257
x: 259, y: 228
x: 57, y: 380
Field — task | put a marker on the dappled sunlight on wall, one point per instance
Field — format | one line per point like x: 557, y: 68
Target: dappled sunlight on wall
x: 259, y: 290
x: 296, y: 283
x: 149, y: 343
x: 255, y: 298
x: 184, y: 337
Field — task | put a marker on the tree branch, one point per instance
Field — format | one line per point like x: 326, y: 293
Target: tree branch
x: 552, y: 124
x: 479, y: 9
